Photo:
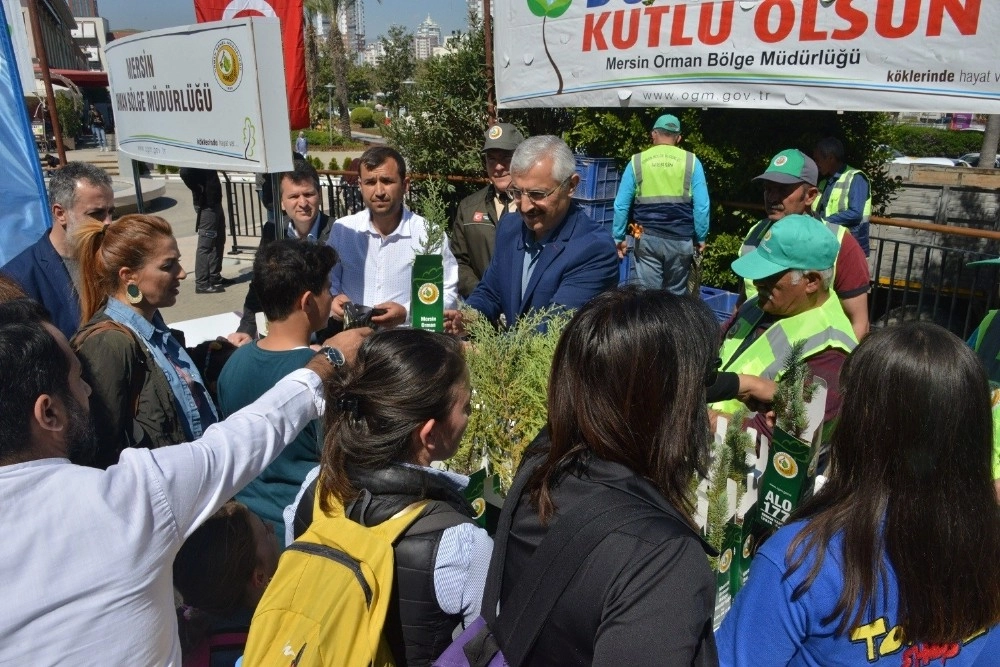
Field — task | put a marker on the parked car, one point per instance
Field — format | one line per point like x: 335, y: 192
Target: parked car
x: 973, y: 160
x: 898, y: 157
x: 938, y: 161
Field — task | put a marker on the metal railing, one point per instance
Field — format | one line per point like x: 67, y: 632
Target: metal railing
x: 340, y: 196
x: 920, y: 272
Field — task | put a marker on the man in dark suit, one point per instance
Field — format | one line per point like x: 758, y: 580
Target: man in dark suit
x: 549, y: 252
x: 46, y: 270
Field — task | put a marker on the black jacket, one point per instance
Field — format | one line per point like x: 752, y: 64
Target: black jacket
x: 643, y: 597
x: 415, y: 624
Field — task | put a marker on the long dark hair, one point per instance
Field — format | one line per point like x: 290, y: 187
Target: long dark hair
x: 628, y: 385
x: 910, y: 480
x: 399, y: 380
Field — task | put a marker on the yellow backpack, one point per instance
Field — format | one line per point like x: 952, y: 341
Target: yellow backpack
x: 327, y: 602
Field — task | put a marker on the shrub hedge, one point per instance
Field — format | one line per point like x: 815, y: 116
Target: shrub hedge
x: 363, y: 116
x: 917, y: 141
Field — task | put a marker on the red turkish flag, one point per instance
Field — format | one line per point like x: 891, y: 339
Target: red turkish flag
x: 292, y: 40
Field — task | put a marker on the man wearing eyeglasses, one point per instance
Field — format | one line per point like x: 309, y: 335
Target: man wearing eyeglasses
x: 550, y: 252
x: 664, y: 189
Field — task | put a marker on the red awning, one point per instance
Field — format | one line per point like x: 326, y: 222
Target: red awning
x: 82, y: 77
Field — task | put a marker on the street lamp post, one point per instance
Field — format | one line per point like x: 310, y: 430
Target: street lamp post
x: 329, y: 109
x: 408, y: 85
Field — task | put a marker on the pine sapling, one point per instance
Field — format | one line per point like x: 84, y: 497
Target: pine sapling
x: 790, y: 397
x: 435, y: 211
x: 718, y: 501
x: 737, y: 444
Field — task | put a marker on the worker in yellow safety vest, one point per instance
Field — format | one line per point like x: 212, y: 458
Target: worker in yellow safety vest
x: 845, y: 192
x: 985, y: 341
x: 790, y: 189
x: 791, y: 269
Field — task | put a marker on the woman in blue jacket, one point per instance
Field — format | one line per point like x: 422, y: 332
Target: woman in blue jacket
x: 894, y: 561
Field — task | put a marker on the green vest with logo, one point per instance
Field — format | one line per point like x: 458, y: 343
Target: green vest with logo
x: 663, y: 202
x: 821, y: 328
x: 756, y: 235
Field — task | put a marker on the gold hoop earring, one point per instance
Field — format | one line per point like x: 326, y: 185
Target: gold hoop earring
x: 133, y: 294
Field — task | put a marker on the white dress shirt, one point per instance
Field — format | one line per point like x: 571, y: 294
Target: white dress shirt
x: 374, y: 270
x: 86, y: 566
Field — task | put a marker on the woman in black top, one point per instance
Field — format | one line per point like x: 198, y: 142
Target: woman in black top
x: 626, y: 412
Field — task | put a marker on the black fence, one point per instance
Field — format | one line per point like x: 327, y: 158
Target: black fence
x: 340, y: 196
x: 920, y: 272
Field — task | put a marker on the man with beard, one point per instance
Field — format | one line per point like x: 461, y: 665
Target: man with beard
x: 549, y: 253
x: 86, y: 567
x: 473, y: 233
x: 46, y: 269
x: 377, y: 246
x: 790, y: 189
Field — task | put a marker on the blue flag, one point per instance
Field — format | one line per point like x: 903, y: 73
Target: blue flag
x: 24, y: 216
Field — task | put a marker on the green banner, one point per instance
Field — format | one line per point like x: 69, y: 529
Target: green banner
x: 783, y: 480
x: 427, y: 298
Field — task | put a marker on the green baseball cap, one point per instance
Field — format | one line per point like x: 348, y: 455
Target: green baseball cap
x: 984, y: 262
x: 794, y: 242
x: 790, y: 166
x: 668, y: 123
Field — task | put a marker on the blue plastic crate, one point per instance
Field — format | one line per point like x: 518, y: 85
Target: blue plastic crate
x: 721, y: 302
x: 601, y: 211
x: 598, y: 178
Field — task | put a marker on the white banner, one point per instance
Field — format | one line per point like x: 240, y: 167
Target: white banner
x: 210, y: 95
x: 852, y: 55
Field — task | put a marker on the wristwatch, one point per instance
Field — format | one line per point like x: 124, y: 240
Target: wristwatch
x: 333, y: 355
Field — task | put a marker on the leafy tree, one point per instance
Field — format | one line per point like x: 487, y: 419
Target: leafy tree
x: 396, y: 66
x: 360, y: 82
x: 69, y: 111
x: 443, y: 133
